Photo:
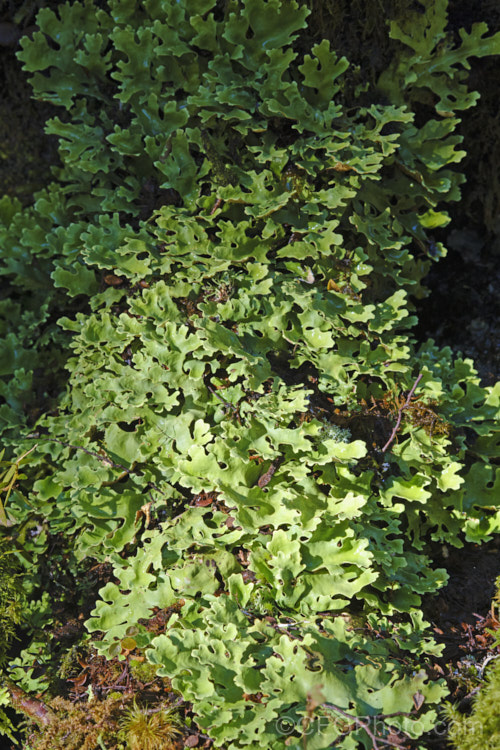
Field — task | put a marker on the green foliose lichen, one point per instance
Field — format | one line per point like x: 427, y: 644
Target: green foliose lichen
x: 232, y: 242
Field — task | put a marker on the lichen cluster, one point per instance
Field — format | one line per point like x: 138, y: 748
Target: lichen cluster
x: 247, y: 430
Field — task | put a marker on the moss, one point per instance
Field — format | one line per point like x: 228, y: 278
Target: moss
x: 150, y: 730
x: 11, y: 599
x: 142, y: 670
x: 113, y: 723
x: 480, y: 729
x: 79, y: 726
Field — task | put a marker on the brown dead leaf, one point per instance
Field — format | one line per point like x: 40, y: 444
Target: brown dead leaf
x: 418, y: 700
x: 111, y: 280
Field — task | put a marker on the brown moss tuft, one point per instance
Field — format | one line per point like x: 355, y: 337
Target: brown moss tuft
x: 79, y: 726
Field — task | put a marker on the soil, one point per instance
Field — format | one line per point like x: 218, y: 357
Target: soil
x: 464, y: 619
x: 27, y: 155
x: 463, y: 309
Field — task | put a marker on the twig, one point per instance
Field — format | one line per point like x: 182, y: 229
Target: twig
x: 227, y: 404
x: 29, y: 706
x: 485, y: 662
x: 216, y: 205
x: 363, y: 725
x: 105, y: 460
x: 223, y: 401
x: 400, y: 413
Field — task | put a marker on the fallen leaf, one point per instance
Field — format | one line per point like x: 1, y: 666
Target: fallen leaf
x: 418, y: 700
x: 111, y: 280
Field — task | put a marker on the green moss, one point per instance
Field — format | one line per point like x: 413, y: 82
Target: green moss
x: 84, y: 726
x: 142, y: 670
x: 12, y: 599
x: 145, y: 729
x: 480, y: 728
